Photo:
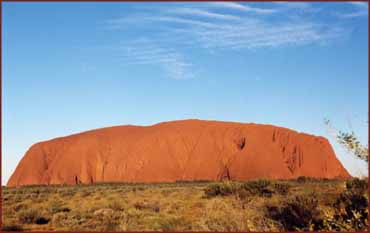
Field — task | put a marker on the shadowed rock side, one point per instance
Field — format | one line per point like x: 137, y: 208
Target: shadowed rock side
x: 178, y: 150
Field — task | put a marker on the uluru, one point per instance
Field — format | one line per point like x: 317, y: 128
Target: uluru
x: 185, y: 150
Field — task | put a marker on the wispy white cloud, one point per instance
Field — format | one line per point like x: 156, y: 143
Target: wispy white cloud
x: 147, y: 52
x: 363, y: 5
x: 361, y: 9
x: 179, y: 20
x: 352, y: 14
x: 242, y: 7
x: 247, y: 33
x: 208, y: 27
x: 296, y: 5
x: 259, y: 34
x: 203, y: 13
x: 124, y: 22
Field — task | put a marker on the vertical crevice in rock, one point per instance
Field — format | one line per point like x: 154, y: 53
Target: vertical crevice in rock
x: 77, y: 181
x: 225, y: 174
x: 102, y: 173
x: 240, y: 143
x: 295, y: 159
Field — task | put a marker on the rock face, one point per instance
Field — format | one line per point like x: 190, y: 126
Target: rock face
x: 178, y: 150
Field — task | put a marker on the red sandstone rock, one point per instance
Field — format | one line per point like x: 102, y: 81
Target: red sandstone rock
x: 178, y: 150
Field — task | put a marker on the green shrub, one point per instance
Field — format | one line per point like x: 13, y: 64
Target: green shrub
x: 56, y: 207
x: 357, y: 186
x: 351, y: 212
x: 302, y: 179
x: 18, y: 198
x: 73, y: 220
x: 147, y: 206
x: 66, y: 193
x: 31, y: 216
x: 242, y: 194
x: 305, y: 179
x: 28, y: 215
x: 140, y: 188
x: 42, y: 220
x: 298, y: 213
x: 259, y: 187
x: 227, y: 188
x: 221, y: 189
x: 282, y: 188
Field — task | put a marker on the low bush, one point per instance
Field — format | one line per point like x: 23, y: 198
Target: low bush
x: 147, y: 206
x: 297, y: 213
x: 302, y: 179
x: 221, y: 189
x: 258, y: 187
x: 357, y: 186
x: 29, y: 216
x: 351, y: 211
x: 66, y: 193
x: 282, y: 188
x: 56, y: 207
x: 18, y: 198
x: 192, y: 181
x: 42, y: 220
x: 305, y: 179
x: 242, y: 194
x: 74, y: 220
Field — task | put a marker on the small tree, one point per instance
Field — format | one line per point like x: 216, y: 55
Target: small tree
x: 350, y: 142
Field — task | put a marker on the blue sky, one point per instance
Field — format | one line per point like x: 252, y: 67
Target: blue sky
x: 71, y: 67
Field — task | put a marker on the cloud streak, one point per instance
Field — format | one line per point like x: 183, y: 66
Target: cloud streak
x: 218, y: 26
x: 242, y: 7
x: 363, y: 5
x: 247, y: 33
x: 361, y: 9
x: 146, y: 52
x: 251, y: 34
x: 204, y: 13
x: 297, y: 5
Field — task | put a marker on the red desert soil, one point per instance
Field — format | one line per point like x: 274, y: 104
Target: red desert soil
x: 178, y: 150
